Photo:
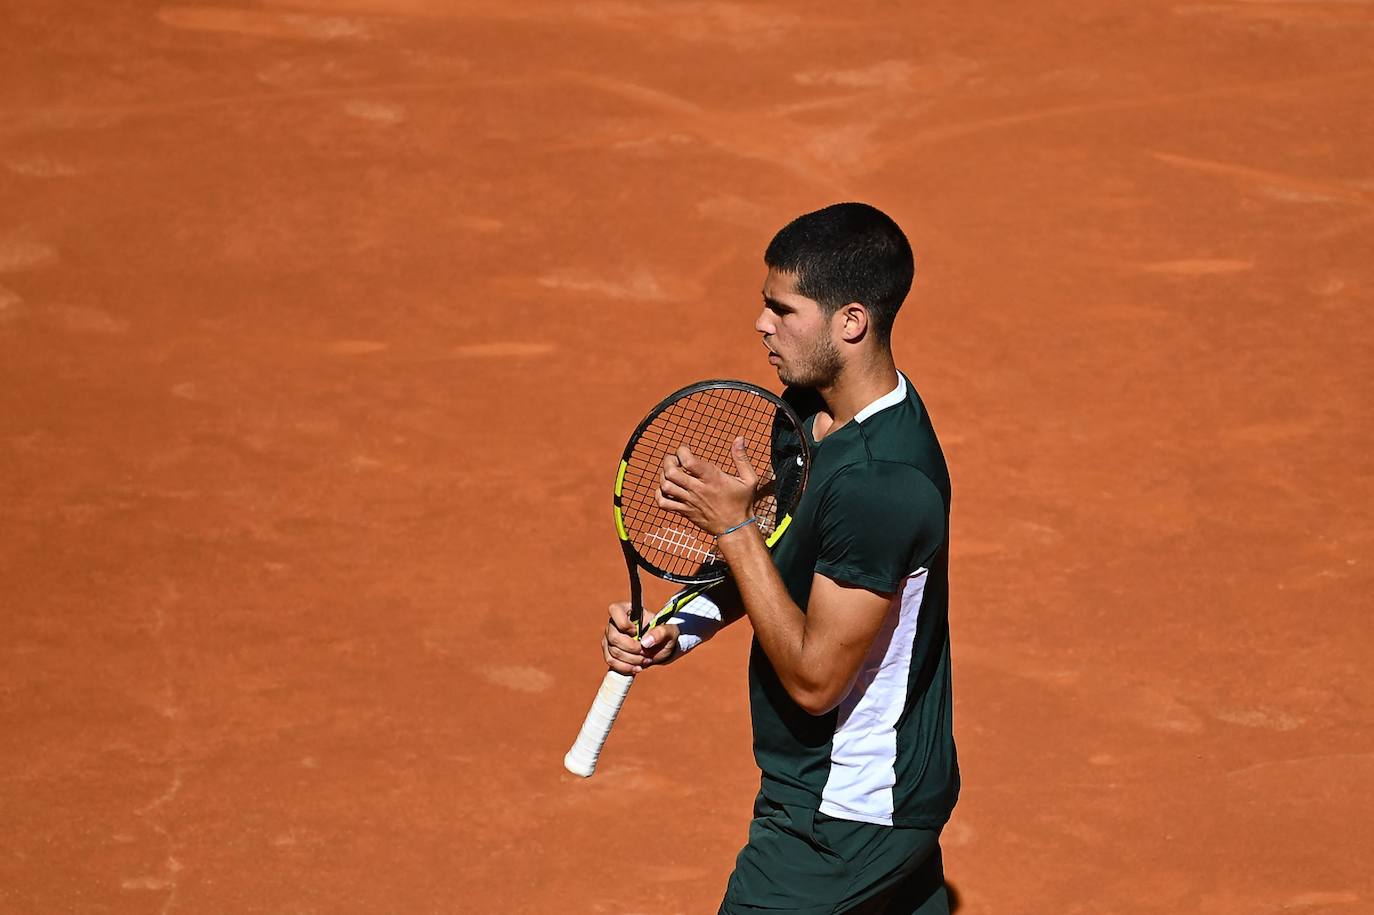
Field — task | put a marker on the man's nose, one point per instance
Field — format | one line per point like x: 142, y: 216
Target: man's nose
x: 762, y: 324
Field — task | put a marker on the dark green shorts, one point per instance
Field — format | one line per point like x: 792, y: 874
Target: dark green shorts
x: 806, y: 863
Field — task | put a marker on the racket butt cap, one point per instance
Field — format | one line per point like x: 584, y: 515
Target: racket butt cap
x: 578, y: 766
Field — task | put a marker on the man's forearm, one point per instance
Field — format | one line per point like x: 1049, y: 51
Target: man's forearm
x: 779, y: 624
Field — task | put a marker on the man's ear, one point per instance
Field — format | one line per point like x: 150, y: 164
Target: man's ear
x: 853, y: 322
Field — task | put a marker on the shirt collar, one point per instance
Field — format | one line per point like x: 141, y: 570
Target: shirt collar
x: 894, y: 396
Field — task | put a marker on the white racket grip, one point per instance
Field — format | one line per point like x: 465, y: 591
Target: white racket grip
x: 581, y: 759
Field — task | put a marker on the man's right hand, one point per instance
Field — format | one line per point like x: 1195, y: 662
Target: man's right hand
x: 625, y: 653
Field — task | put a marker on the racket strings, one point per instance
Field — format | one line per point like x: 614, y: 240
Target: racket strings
x: 707, y: 422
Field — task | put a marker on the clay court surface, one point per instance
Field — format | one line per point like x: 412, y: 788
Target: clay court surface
x: 322, y: 325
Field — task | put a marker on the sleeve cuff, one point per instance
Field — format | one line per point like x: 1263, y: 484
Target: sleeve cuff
x: 851, y: 576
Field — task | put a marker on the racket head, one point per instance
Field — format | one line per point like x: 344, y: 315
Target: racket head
x: 707, y: 417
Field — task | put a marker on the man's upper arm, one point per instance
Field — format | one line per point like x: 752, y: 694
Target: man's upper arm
x: 880, y: 521
x: 842, y: 621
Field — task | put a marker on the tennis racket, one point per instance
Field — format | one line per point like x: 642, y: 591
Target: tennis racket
x: 707, y: 417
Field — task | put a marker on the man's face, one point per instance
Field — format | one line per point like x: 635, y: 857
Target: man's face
x: 797, y: 333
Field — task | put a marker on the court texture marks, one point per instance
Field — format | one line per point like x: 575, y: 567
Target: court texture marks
x: 323, y: 323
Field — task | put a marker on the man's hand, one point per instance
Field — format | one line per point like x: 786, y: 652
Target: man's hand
x: 699, y: 491
x: 625, y: 653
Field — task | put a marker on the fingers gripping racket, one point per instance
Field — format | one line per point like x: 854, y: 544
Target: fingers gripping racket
x: 707, y: 417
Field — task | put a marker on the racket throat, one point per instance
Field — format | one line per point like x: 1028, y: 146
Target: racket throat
x: 636, y: 592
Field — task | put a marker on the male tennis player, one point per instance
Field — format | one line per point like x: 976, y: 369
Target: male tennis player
x: 849, y: 678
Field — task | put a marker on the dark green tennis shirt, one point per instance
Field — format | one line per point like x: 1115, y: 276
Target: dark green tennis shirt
x: 875, y: 515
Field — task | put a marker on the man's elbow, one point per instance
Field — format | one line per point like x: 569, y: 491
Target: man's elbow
x: 816, y: 700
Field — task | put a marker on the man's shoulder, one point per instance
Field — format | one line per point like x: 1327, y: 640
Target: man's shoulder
x: 879, y: 487
x: 904, y: 434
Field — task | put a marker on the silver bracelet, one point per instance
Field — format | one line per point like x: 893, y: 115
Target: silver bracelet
x: 751, y: 520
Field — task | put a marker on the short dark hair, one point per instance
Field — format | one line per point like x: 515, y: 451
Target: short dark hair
x: 847, y: 252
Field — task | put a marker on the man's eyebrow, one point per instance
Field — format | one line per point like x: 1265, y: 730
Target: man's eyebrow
x: 774, y: 303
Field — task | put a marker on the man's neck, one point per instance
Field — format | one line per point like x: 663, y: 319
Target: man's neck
x: 857, y: 386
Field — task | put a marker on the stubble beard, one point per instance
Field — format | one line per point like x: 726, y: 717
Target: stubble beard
x: 819, y: 367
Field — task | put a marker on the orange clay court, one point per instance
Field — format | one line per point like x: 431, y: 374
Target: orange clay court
x: 323, y: 323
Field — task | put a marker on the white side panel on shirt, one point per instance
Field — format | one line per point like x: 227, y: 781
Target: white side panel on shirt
x: 863, y: 755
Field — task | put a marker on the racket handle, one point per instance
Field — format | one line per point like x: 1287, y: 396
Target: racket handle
x: 581, y: 759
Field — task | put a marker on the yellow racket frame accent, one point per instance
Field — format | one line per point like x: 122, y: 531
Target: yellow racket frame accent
x: 619, y: 484
x: 778, y: 531
x: 677, y: 603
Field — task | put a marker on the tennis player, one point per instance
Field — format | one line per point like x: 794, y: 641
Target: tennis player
x: 849, y: 676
